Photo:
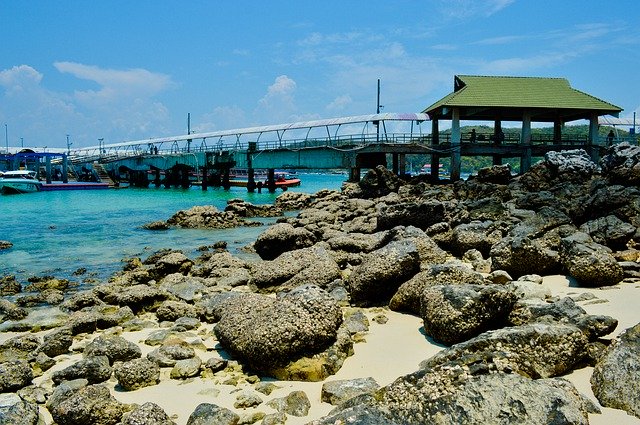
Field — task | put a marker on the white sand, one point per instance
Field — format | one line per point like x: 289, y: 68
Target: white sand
x: 390, y: 351
x: 622, y: 303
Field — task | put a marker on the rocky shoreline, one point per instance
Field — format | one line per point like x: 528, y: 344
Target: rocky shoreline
x: 464, y: 260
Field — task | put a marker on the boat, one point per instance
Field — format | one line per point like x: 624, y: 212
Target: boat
x: 19, y: 181
x: 283, y: 179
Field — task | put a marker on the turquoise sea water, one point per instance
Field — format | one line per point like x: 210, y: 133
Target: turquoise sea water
x: 57, y: 233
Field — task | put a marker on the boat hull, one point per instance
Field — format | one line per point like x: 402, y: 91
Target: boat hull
x: 74, y: 186
x: 19, y: 186
x: 279, y: 184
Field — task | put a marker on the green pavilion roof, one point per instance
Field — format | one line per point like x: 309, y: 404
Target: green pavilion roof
x: 506, y: 98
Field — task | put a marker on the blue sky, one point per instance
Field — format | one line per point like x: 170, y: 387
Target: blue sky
x: 129, y: 70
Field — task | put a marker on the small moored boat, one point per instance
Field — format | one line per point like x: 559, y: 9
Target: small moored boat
x: 19, y: 181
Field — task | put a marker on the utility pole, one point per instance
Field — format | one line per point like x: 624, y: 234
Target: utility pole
x: 378, y: 106
x: 6, y: 137
x: 189, y: 131
x: 68, y: 146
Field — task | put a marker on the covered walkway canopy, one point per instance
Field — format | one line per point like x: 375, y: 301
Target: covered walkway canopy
x: 524, y: 99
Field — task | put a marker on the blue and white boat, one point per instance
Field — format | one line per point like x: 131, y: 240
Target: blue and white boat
x: 19, y: 181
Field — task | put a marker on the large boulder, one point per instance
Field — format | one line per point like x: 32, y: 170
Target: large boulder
x: 419, y: 214
x: 136, y: 373
x: 616, y: 377
x: 147, y: 414
x: 15, y: 410
x: 337, y: 392
x: 137, y: 297
x: 282, y: 237
x: 268, y: 333
x: 95, y: 369
x: 557, y: 349
x: 114, y: 347
x: 378, y: 182
x: 497, y: 174
x: 590, y: 263
x: 480, y: 235
x: 91, y: 404
x: 563, y: 310
x: 207, y: 413
x: 14, y: 374
x: 206, y: 217
x: 382, y: 272
x: 621, y: 164
x: 456, y: 313
x: 455, y: 394
x: 609, y: 231
x: 408, y: 297
x: 520, y: 256
x: 313, y: 265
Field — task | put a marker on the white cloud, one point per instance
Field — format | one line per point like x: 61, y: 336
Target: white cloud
x: 123, y: 107
x: 464, y: 9
x: 115, y: 85
x: 20, y: 77
x: 340, y: 103
x: 278, y: 105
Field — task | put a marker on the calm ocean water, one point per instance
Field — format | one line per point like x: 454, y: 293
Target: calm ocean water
x: 57, y: 233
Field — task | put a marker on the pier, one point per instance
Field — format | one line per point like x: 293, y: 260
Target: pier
x: 366, y: 141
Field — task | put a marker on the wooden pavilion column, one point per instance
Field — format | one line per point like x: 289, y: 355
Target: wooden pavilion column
x: 592, y: 142
x: 455, y: 145
x: 435, y: 141
x: 557, y: 131
x: 525, y: 140
x: 497, y: 129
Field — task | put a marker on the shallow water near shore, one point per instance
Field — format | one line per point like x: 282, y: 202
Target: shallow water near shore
x: 58, y: 233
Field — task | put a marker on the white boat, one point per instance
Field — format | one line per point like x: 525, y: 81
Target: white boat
x: 19, y: 181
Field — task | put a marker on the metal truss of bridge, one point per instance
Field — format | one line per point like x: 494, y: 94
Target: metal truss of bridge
x: 334, y: 132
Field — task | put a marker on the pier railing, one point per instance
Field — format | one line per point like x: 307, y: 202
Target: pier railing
x: 346, y: 142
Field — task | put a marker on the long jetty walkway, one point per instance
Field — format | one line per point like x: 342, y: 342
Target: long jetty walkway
x: 352, y: 143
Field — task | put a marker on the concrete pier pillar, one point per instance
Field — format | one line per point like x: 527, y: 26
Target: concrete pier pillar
x: 48, y: 169
x: 205, y: 178
x: 354, y: 174
x: 271, y: 180
x: 65, y: 169
x: 251, y: 182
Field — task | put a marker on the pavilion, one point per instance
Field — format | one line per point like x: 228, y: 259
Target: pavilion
x: 523, y: 99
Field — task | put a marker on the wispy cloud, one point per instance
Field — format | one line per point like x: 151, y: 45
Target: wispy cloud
x: 464, y: 9
x: 115, y: 84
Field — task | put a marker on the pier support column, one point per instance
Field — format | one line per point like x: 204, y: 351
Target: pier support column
x: 251, y: 183
x: 48, y: 169
x: 205, y: 178
x: 402, y: 164
x: 395, y: 167
x: 525, y: 139
x: 354, y: 174
x: 435, y: 158
x: 225, y: 179
x: 65, y: 169
x: 455, y: 145
x: 251, y: 180
x: 271, y: 180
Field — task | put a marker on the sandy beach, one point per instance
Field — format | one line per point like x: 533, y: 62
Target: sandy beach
x: 387, y: 351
